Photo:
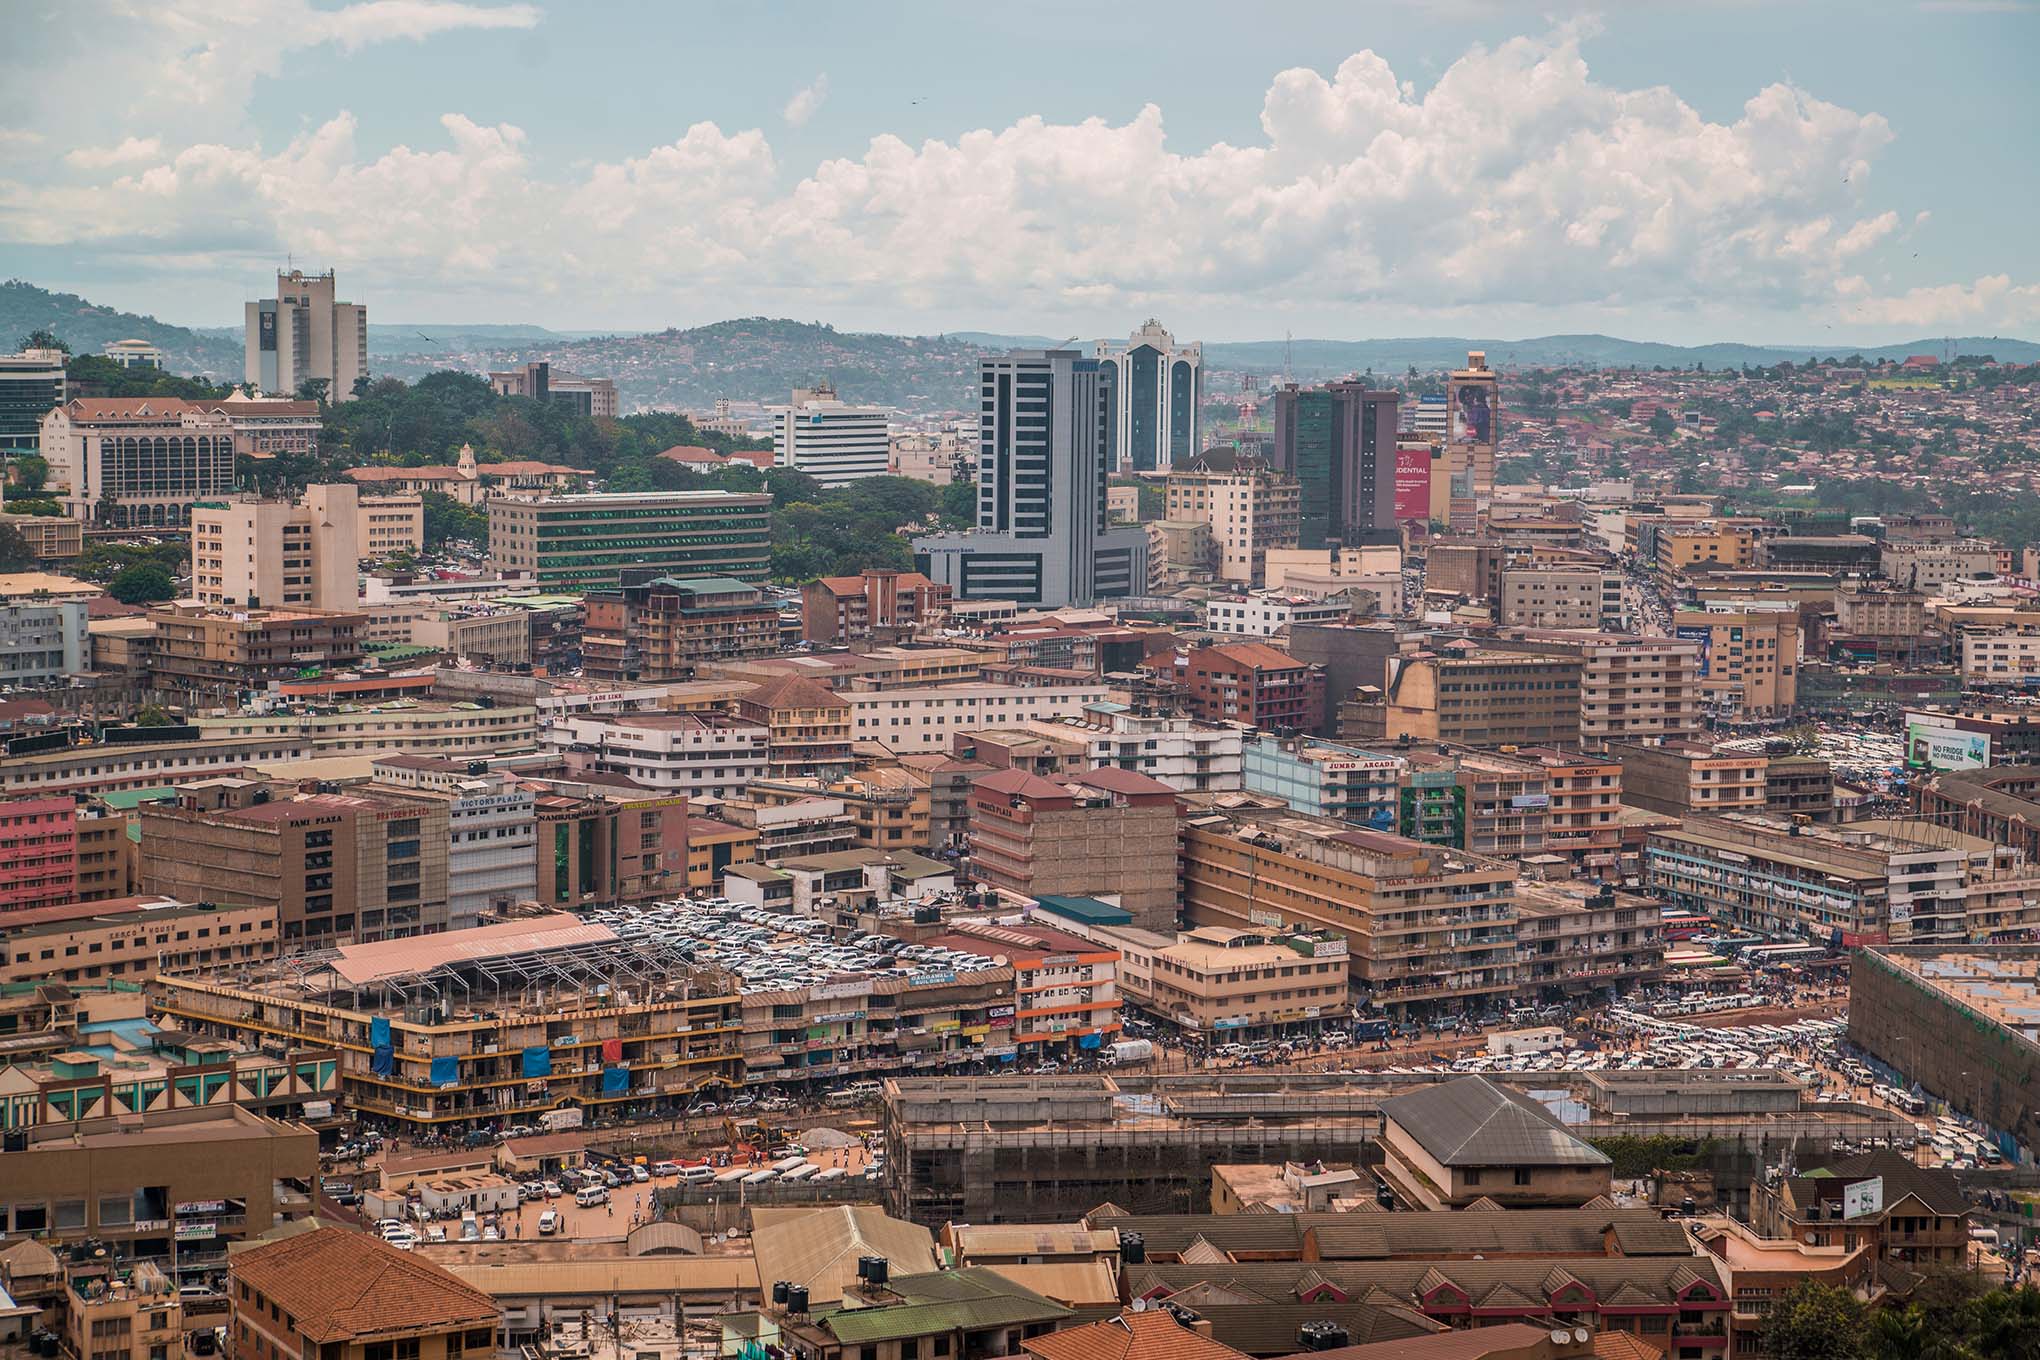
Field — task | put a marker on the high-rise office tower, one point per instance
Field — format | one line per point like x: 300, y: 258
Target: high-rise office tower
x: 1473, y: 418
x: 31, y: 386
x: 1042, y: 537
x: 1339, y: 442
x: 830, y: 440
x: 1152, y: 388
x: 303, y: 334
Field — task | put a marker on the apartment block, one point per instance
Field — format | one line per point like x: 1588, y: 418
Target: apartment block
x: 333, y: 867
x: 1572, y: 598
x: 876, y: 606
x: 250, y: 553
x: 1864, y: 884
x: 1325, y: 778
x: 585, y: 542
x: 1429, y: 929
x: 389, y: 525
x: 38, y: 854
x: 700, y: 755
x: 492, y: 831
x: 1231, y: 986
x: 43, y: 642
x: 522, y: 1038
x: 1689, y: 779
x: 1250, y: 509
x: 1584, y: 939
x: 1269, y: 615
x: 1631, y: 688
x: 660, y: 628
x: 1749, y: 661
x: 1245, y: 682
x: 1474, y: 696
x: 1104, y: 833
x: 207, y: 655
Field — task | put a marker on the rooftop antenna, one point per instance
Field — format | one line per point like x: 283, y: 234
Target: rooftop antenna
x: 1288, y: 359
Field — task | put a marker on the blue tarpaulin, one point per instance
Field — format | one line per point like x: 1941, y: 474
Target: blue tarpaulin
x: 538, y: 1061
x: 379, y: 1032
x: 383, y: 1061
x: 1090, y: 1040
x: 615, y: 1080
x: 445, y: 1071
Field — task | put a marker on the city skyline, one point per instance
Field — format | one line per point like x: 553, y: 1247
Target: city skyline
x: 1731, y: 174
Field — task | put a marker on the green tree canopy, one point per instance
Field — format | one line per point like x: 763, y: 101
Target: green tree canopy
x: 143, y: 583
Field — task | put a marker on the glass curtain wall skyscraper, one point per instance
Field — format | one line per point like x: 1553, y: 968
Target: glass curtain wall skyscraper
x: 1042, y: 534
x: 1153, y: 389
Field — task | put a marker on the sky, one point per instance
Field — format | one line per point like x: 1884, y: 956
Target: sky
x: 1784, y: 171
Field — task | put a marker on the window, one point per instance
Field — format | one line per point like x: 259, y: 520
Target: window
x: 69, y: 1213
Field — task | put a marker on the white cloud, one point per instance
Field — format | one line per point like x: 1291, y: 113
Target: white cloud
x: 806, y: 101
x: 130, y: 150
x: 1515, y: 181
x: 1989, y: 302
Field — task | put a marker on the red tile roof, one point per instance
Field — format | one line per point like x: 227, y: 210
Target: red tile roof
x: 1151, y: 1335
x: 339, y: 1285
x: 792, y: 691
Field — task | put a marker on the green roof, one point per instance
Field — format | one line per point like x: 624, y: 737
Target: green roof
x: 973, y: 1299
x: 127, y: 800
x: 706, y: 585
x: 1086, y: 909
x: 399, y: 651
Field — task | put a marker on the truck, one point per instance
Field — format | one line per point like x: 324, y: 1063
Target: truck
x: 557, y: 1121
x: 1130, y: 1050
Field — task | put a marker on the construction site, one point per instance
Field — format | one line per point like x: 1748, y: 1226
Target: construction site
x: 501, y: 1023
x: 1963, y: 1023
x: 980, y: 1150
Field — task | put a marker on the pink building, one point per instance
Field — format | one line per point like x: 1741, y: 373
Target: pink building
x: 38, y: 853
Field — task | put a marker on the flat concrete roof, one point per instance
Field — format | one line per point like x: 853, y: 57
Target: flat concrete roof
x: 2006, y: 988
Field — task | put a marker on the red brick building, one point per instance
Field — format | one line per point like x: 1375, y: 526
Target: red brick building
x: 38, y: 853
x: 878, y: 606
x: 1246, y: 682
x: 1103, y: 833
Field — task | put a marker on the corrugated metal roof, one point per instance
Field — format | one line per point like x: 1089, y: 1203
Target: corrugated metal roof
x: 1473, y: 1122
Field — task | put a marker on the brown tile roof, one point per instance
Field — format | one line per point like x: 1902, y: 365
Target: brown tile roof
x: 127, y: 408
x: 339, y: 1285
x: 1151, y: 1335
x: 1473, y: 1344
x: 793, y: 691
x: 1256, y: 655
x: 1617, y: 1345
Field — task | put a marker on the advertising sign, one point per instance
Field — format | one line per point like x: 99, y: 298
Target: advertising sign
x: 1472, y: 412
x: 1702, y: 634
x: 1412, y: 482
x: 265, y: 331
x: 1928, y: 747
x: 1863, y: 1197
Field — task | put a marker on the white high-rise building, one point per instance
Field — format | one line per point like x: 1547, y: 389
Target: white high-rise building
x: 831, y: 441
x: 302, y: 334
x: 1153, y: 388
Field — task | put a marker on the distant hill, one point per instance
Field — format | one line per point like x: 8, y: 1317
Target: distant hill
x: 1315, y: 359
x: 752, y: 359
x: 86, y: 327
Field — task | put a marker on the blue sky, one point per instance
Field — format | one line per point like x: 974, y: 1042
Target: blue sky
x: 1787, y: 172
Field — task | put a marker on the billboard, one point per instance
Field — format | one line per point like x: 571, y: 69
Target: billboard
x: 1412, y: 481
x: 1863, y: 1197
x: 1472, y: 410
x: 265, y: 330
x: 1929, y: 746
x: 1702, y: 634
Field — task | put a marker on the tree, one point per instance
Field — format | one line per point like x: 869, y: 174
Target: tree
x: 1662, y: 425
x: 1815, y: 1321
x: 314, y: 389
x: 30, y: 472
x: 42, y: 337
x: 15, y: 554
x: 959, y: 505
x: 142, y: 583
x: 155, y: 715
x: 449, y: 521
